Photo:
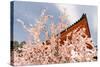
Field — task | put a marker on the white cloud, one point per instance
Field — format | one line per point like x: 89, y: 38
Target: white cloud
x: 71, y: 12
x: 95, y: 23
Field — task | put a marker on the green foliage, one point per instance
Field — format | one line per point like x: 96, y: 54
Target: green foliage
x: 22, y: 43
x: 16, y: 44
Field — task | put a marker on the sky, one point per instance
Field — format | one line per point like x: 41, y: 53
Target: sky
x: 29, y: 12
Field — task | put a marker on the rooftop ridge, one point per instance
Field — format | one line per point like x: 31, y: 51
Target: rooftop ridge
x: 82, y: 17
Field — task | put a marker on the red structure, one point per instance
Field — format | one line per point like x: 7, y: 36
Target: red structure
x: 81, y: 23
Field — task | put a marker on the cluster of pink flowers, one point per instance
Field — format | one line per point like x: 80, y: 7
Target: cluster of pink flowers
x: 79, y: 49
